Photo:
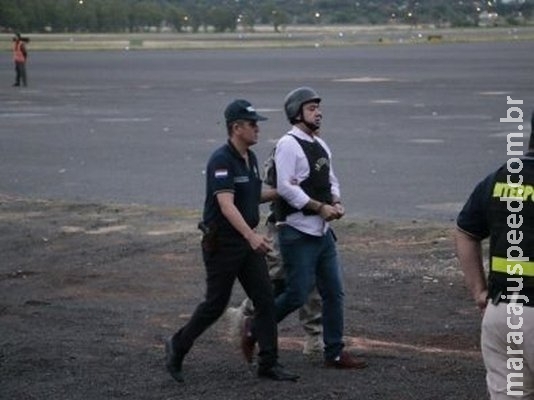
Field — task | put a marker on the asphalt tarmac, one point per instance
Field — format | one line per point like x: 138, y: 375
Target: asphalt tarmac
x: 412, y: 127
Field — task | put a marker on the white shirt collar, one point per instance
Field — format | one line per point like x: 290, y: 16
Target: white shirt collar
x: 296, y: 131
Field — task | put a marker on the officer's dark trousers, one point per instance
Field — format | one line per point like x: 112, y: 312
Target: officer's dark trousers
x: 20, y: 71
x: 234, y: 258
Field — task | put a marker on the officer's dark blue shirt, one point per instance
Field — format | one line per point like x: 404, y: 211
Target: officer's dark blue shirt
x: 474, y: 217
x: 227, y: 171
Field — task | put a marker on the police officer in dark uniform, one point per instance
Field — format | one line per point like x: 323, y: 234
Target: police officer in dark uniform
x: 501, y: 208
x: 231, y: 248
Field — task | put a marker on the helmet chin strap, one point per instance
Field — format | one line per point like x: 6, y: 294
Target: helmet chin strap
x: 310, y: 125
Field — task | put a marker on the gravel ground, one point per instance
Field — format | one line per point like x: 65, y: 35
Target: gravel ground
x: 89, y: 291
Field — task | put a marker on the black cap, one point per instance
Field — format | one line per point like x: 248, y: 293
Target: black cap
x: 241, y: 109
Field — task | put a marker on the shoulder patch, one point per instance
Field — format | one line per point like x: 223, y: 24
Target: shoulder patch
x: 221, y: 173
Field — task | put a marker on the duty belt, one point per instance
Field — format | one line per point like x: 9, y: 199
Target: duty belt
x: 500, y: 295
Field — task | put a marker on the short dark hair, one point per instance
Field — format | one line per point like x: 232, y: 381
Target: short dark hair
x: 230, y: 125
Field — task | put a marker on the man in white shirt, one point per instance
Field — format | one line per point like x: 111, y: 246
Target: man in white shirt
x: 309, y: 198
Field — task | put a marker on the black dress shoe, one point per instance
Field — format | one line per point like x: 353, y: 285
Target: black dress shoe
x: 173, y: 361
x: 277, y: 373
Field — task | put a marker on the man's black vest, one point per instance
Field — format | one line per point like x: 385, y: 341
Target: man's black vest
x: 316, y: 185
x: 509, y: 219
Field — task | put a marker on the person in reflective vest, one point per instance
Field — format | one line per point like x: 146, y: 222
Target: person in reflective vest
x: 20, y: 56
x: 501, y: 208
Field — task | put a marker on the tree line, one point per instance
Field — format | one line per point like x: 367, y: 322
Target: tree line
x: 228, y: 15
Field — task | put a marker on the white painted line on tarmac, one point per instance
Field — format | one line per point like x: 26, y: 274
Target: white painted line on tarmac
x: 17, y: 102
x: 494, y: 93
x: 448, y: 207
x: 385, y: 101
x: 268, y: 110
x: 499, y: 134
x: 426, y: 141
x: 124, y: 119
x: 448, y: 117
x: 363, y: 79
x: 22, y: 115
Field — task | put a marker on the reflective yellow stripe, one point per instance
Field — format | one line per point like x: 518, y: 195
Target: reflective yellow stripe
x: 502, y: 189
x: 499, y: 264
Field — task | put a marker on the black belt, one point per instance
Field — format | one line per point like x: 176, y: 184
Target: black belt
x: 497, y: 296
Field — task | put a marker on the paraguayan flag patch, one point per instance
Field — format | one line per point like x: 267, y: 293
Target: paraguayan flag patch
x: 221, y: 173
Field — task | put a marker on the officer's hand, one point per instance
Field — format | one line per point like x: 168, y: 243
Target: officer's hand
x: 260, y: 243
x: 481, y: 301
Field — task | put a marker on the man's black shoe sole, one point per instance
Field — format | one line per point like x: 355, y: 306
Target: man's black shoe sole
x: 278, y: 378
x: 176, y: 375
x: 170, y: 361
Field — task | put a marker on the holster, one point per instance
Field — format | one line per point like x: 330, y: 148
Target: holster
x: 209, y: 236
x: 494, y: 293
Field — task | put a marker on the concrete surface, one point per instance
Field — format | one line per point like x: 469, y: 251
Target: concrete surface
x: 412, y: 127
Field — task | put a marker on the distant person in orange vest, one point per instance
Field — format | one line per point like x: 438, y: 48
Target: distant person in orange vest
x: 20, y: 56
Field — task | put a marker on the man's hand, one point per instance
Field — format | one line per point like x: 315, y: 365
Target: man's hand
x: 260, y: 243
x: 340, y: 209
x: 328, y: 212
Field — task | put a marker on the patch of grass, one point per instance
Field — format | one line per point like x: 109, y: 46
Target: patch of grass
x: 265, y: 37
